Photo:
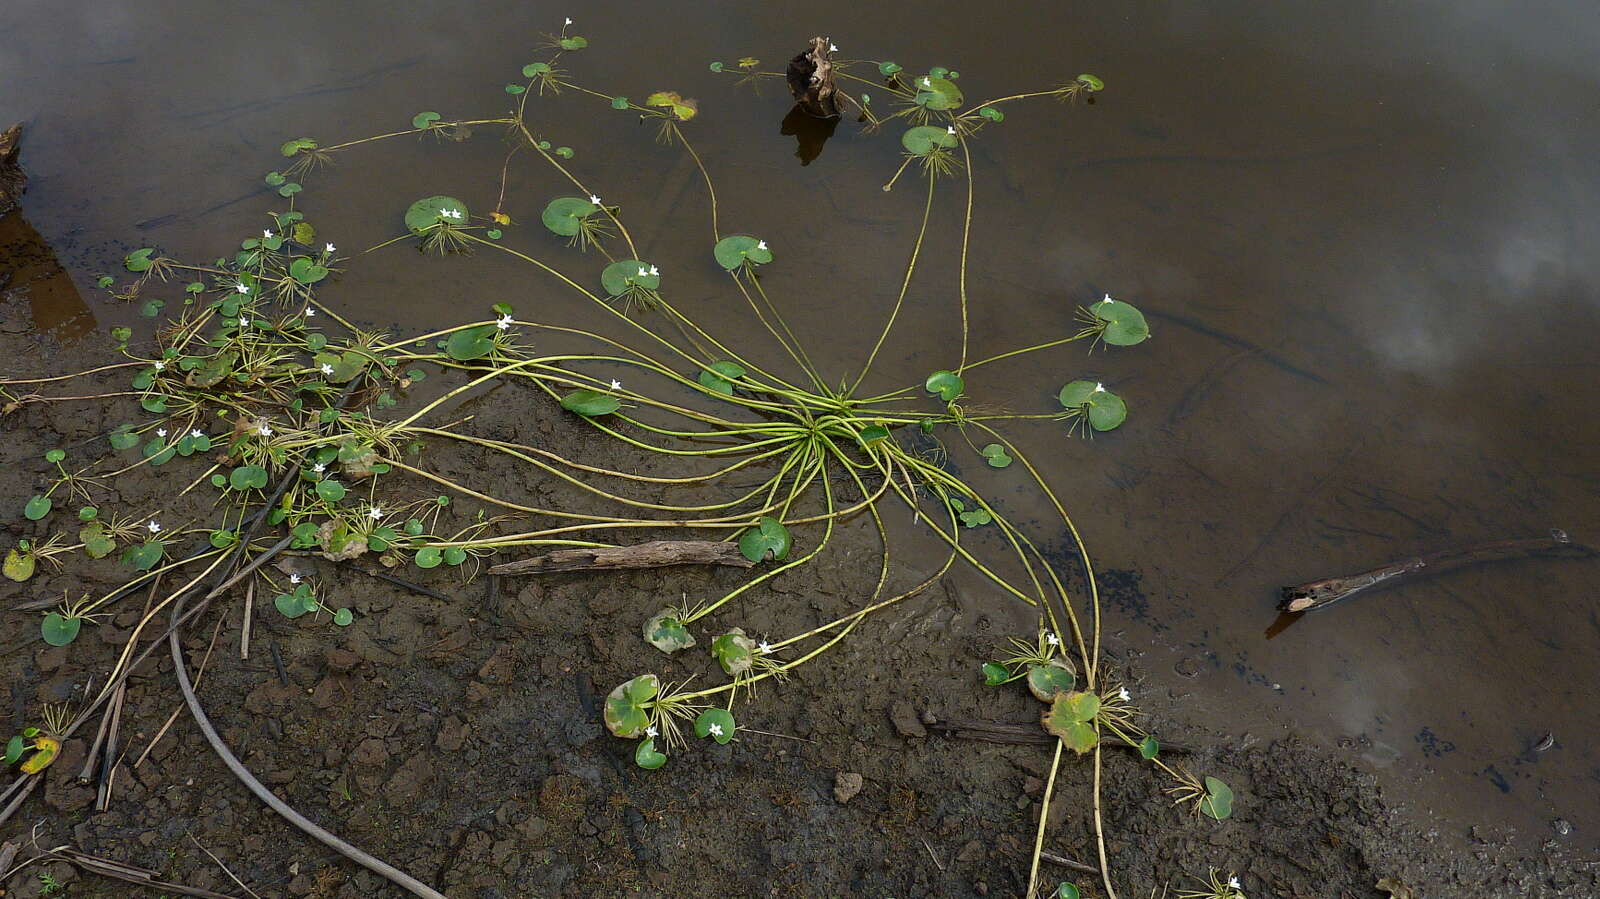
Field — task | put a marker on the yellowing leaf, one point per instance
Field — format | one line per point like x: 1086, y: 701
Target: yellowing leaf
x: 500, y: 218
x: 663, y: 98
x: 46, y: 749
x: 18, y: 567
x: 748, y: 62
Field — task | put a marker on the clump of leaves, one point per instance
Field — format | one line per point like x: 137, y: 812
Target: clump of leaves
x: 1094, y: 405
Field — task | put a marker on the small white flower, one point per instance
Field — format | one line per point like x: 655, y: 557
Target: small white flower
x: 264, y: 429
x: 1108, y: 299
x: 1124, y: 695
x: 927, y: 83
x: 197, y: 433
x: 243, y: 323
x: 375, y: 513
x: 950, y: 129
x: 328, y: 248
x: 615, y: 384
x: 310, y: 312
x: 643, y: 272
x: 761, y: 245
x: 594, y: 199
x: 242, y: 287
x: 1099, y: 387
x: 715, y: 729
x: 654, y: 271
x: 319, y: 468
x: 159, y: 365
x: 326, y: 369
x: 294, y: 578
x: 569, y: 22
x: 1233, y: 883
x: 832, y: 47
x: 450, y: 213
x: 266, y: 234
x: 1052, y: 639
x: 651, y: 730
x: 503, y: 322
x: 161, y: 432
x: 153, y: 527
x: 763, y: 647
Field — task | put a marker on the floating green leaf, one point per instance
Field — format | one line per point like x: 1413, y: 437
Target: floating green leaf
x: 298, y: 145
x: 431, y: 211
x: 58, y: 629
x: 996, y: 455
x: 573, y: 43
x: 716, y: 67
x: 535, y: 69
x: 1104, y: 409
x: 307, y: 271
x: 138, y: 260
x: 623, y: 274
x: 719, y: 376
x: 946, y: 384
x: 715, y: 723
x: 886, y: 69
x: 1218, y: 801
x: 648, y: 757
x: 289, y: 190
x: 1123, y: 325
x: 565, y: 215
x: 424, y: 119
x: 938, y: 93
x: 624, y: 709
x: 514, y: 89
x: 768, y: 536
x: 992, y: 114
x: 665, y: 631
x: 921, y: 140
x: 37, y: 508
x: 873, y: 434
x: 468, y: 344
x: 1091, y: 82
x: 590, y: 402
x: 247, y: 477
x: 619, y: 102
x: 734, y: 251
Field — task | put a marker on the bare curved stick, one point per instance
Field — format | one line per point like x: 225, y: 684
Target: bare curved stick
x: 1320, y: 594
x: 375, y: 865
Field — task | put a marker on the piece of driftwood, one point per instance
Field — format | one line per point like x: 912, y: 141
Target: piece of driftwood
x: 811, y: 79
x: 658, y: 554
x: 12, y: 181
x: 1320, y: 594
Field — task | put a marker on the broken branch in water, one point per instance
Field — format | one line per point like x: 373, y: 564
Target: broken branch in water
x: 658, y: 554
x: 1320, y: 594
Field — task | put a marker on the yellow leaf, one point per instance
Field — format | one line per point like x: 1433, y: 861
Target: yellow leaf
x: 46, y: 749
x: 500, y: 218
x: 748, y: 62
x: 18, y: 567
x: 686, y: 109
x: 663, y: 98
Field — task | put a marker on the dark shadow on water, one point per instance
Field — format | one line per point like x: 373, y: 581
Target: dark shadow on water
x: 809, y: 132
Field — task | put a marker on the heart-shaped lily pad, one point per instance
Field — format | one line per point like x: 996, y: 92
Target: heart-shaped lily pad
x: 58, y: 629
x: 1218, y: 801
x: 735, y: 250
x: 297, y: 603
x: 734, y: 651
x: 590, y: 402
x: 624, y: 712
x: 298, y: 145
x: 424, y: 119
x: 468, y: 344
x: 305, y: 271
x: 138, y: 260
x: 665, y: 631
x: 1046, y: 682
x: 996, y: 456
x: 768, y: 536
x: 1069, y: 718
x: 648, y: 757
x: 247, y: 477
x: 565, y: 215
x: 719, y: 376
x: 428, y: 557
x: 1149, y: 747
x: 1104, y: 409
x: 995, y: 674
x: 145, y: 556
x: 873, y: 434
x: 625, y: 273
x: 921, y: 140
x: 946, y: 384
x: 430, y: 211
x: 938, y: 93
x: 715, y: 723
x: 1123, y: 324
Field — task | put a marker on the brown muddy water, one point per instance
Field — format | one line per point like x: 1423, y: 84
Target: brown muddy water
x: 1363, y: 233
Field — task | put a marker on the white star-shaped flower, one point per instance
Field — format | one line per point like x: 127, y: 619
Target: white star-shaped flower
x: 654, y: 271
x: 569, y: 22
x: 160, y: 366
x: 197, y: 433
x: 319, y: 468
x: 715, y: 729
x: 242, y: 287
x: 1099, y: 387
x: 326, y: 369
x: 615, y: 384
x: 266, y: 234
x: 1124, y: 695
x: 763, y: 647
x: 450, y: 213
x: 375, y: 513
x: 1052, y: 639
x: 294, y: 578
x: 1108, y: 299
x: 243, y: 323
x: 1233, y: 883
x: 153, y: 527
x: 594, y: 199
x: 309, y: 312
x: 651, y: 731
x: 161, y: 432
x: 832, y: 47
x: 927, y: 83
x: 643, y: 272
x: 503, y: 322
x: 264, y: 429
x: 761, y: 245
x: 328, y: 248
x: 950, y: 129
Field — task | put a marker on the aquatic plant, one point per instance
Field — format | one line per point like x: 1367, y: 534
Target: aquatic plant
x: 290, y: 424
